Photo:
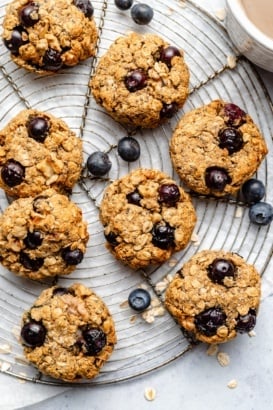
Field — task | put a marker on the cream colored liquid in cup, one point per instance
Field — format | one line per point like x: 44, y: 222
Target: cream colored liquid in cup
x: 260, y: 13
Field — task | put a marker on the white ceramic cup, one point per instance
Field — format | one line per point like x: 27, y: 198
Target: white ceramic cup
x: 247, y: 38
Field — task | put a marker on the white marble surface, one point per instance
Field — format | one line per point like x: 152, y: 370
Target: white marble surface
x: 195, y: 381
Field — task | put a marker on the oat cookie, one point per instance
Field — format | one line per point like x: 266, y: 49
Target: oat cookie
x: 68, y: 333
x: 38, y: 151
x: 216, y: 148
x: 146, y: 218
x: 46, y: 35
x: 141, y: 80
x: 215, y: 296
x: 42, y: 236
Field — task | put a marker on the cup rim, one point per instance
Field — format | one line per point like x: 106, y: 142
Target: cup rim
x: 240, y: 15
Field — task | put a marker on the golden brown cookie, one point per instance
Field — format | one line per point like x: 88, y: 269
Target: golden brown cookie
x: 214, y: 296
x: 46, y: 35
x: 68, y: 333
x: 42, y: 236
x: 216, y: 148
x: 38, y: 151
x: 146, y: 218
x: 141, y: 80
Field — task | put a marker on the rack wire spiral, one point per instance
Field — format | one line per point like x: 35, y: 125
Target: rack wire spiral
x: 216, y: 72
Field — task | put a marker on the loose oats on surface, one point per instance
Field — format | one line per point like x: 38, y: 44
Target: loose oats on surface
x: 231, y: 61
x: 221, y: 14
x: 212, y: 350
x: 150, y: 393
x: 252, y: 333
x: 5, y: 348
x: 232, y: 384
x: 223, y: 359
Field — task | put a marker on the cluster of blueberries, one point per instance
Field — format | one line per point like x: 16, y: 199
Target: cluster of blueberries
x: 141, y: 13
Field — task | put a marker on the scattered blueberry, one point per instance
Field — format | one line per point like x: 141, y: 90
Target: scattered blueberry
x: 168, y: 110
x: 139, y: 299
x: 234, y: 115
x: 253, y: 190
x: 33, y: 334
x: 72, y: 256
x: 208, y: 321
x: 33, y: 239
x: 163, y: 236
x: 29, y: 14
x: 134, y: 197
x: 93, y: 340
x: 18, y: 39
x: 261, y: 213
x: 129, y: 149
x: 31, y: 264
x: 231, y: 138
x: 247, y: 322
x: 98, y: 163
x: 141, y: 13
x: 52, y: 60
x: 219, y: 269
x: 38, y: 128
x: 124, y: 4
x: 135, y: 80
x: 169, y: 194
x: 216, y: 178
x: 111, y: 238
x: 85, y: 6
x: 167, y: 54
x: 12, y: 173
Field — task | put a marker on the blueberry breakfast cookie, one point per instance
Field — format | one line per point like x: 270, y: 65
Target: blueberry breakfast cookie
x: 38, y: 151
x: 46, y: 35
x: 146, y: 218
x: 68, y: 333
x: 216, y: 148
x: 42, y: 236
x: 214, y: 296
x: 141, y: 80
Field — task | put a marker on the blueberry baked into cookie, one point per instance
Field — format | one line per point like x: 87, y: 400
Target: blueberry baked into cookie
x: 216, y: 148
x: 141, y: 81
x: 38, y: 151
x: 68, y: 333
x: 146, y: 218
x: 46, y: 35
x: 215, y: 296
x: 42, y: 236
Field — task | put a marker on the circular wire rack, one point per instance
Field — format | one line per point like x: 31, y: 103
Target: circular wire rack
x: 216, y: 72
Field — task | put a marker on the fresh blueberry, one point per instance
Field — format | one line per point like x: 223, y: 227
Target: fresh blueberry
x: 261, y: 213
x: 231, y: 138
x: 208, y: 321
x: 129, y: 149
x: 123, y: 4
x: 18, y: 39
x: 167, y: 54
x: 163, y: 236
x: 217, y: 178
x: 135, y: 80
x: 33, y: 239
x: 111, y: 239
x: 12, y: 173
x: 247, y: 322
x: 92, y: 341
x: 141, y: 13
x: 234, y: 115
x: 219, y: 269
x: 38, y: 128
x: 85, y: 6
x: 134, y: 198
x: 33, y: 334
x: 98, y: 163
x: 253, y: 190
x: 139, y: 299
x: 72, y: 256
x: 169, y: 194
x: 52, y: 60
x: 31, y: 264
x: 29, y: 14
x: 168, y: 110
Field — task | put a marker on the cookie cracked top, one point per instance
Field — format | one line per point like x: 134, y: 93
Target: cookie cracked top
x: 146, y: 218
x: 141, y: 80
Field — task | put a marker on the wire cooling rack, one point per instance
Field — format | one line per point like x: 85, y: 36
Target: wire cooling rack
x: 216, y: 72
